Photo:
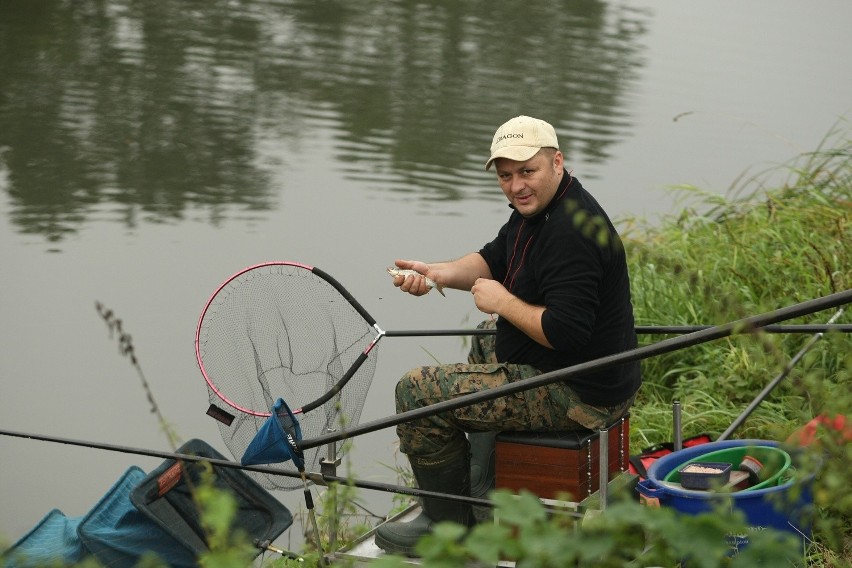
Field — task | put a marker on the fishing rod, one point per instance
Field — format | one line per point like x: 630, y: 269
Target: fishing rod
x: 774, y: 383
x: 643, y: 330
x: 742, y: 326
x: 775, y: 328
x: 315, y: 477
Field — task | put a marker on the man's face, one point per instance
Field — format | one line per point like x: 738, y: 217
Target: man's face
x: 530, y: 185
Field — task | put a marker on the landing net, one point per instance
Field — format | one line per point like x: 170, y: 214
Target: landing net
x: 284, y: 330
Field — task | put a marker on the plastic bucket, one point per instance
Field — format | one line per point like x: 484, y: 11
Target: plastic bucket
x: 775, y: 462
x: 770, y: 507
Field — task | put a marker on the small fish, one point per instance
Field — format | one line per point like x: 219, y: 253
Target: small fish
x: 394, y: 271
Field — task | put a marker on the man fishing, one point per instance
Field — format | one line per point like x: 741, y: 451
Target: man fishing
x: 556, y: 278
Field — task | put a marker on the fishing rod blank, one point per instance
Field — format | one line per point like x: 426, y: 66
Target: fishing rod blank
x: 742, y: 326
x: 640, y: 329
x: 746, y: 325
x: 314, y: 477
x: 776, y: 381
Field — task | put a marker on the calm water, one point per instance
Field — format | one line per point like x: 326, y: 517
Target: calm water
x: 150, y: 150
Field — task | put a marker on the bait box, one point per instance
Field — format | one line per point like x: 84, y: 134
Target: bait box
x: 720, y: 474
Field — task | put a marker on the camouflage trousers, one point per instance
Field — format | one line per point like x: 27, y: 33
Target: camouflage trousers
x: 552, y: 407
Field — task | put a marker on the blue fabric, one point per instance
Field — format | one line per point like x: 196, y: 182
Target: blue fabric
x: 53, y: 540
x: 118, y: 534
x: 275, y: 441
x: 152, y: 514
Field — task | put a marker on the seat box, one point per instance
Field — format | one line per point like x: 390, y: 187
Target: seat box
x: 550, y: 463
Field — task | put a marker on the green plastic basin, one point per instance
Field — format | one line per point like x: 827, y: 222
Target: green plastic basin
x: 775, y: 463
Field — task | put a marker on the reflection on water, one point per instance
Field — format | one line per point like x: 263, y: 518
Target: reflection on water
x: 144, y: 111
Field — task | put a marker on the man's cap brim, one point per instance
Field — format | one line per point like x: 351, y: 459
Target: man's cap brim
x: 517, y: 153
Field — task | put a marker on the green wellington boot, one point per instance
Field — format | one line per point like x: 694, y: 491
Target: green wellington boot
x: 447, y: 471
x: 482, y: 471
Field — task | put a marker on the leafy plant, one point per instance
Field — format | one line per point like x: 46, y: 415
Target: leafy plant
x: 625, y: 534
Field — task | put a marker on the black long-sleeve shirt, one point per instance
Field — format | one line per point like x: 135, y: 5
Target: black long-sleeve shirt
x: 569, y: 259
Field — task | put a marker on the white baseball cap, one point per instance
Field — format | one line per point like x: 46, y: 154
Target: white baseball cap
x: 521, y: 138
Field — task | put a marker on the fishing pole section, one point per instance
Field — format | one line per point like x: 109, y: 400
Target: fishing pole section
x: 319, y: 478
x: 697, y: 337
x: 747, y: 325
x: 640, y: 329
x: 742, y: 326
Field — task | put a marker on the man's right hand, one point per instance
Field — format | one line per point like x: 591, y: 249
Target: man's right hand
x: 413, y: 284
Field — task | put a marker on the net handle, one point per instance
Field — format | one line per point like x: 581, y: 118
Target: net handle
x: 361, y: 358
x: 334, y: 284
x: 344, y: 379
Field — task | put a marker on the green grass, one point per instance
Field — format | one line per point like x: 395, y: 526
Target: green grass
x: 725, y: 258
x: 740, y: 257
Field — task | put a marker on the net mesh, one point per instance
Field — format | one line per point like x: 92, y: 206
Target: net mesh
x: 281, y: 331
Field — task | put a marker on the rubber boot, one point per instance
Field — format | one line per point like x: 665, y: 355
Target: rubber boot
x: 482, y: 469
x: 446, y: 471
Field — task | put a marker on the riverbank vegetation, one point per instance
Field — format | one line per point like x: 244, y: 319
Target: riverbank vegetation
x: 728, y: 258
x: 761, y: 249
